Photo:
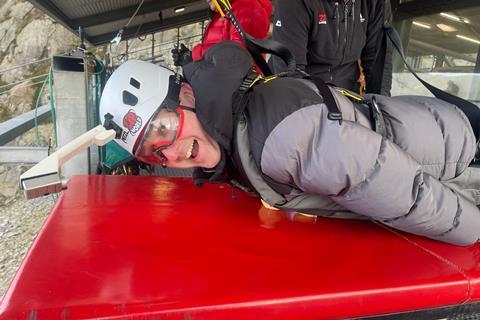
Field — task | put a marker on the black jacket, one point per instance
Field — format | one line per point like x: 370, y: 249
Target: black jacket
x: 328, y: 37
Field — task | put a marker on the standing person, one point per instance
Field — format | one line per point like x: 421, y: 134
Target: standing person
x: 253, y: 16
x: 281, y: 143
x: 329, y: 37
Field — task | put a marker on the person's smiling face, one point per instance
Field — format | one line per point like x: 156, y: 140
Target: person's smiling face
x: 193, y: 147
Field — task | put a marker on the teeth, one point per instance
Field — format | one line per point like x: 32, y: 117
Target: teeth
x: 189, y: 151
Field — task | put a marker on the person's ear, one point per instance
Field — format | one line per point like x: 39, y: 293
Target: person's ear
x: 186, y: 96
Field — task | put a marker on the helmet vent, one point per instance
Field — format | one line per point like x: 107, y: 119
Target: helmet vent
x: 135, y: 83
x: 129, y: 98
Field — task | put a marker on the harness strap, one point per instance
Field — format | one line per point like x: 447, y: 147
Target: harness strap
x: 378, y: 122
x: 469, y: 109
x: 257, y: 47
x: 248, y: 82
x: 333, y: 112
x: 376, y: 116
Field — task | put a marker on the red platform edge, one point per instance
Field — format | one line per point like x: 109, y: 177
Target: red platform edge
x: 116, y: 247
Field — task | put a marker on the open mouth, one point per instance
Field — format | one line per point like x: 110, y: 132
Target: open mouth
x: 192, y: 151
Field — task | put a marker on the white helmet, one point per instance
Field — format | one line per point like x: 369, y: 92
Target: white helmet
x: 131, y: 95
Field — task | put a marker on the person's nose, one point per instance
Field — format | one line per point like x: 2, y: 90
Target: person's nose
x: 171, y: 153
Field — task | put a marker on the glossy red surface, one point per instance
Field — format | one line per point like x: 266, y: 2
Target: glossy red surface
x: 117, y: 247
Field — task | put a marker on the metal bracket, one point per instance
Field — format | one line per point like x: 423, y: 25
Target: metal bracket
x: 45, y: 177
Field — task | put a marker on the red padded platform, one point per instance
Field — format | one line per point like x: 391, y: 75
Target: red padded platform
x: 156, y: 247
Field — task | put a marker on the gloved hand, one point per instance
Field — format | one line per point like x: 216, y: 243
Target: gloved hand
x: 181, y: 56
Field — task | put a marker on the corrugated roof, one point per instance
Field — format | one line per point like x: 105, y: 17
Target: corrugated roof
x: 101, y: 19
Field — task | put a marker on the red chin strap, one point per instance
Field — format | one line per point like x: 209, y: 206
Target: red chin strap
x: 139, y: 138
x: 182, y: 120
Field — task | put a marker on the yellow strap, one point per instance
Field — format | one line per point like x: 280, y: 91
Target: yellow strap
x: 351, y: 95
x: 265, y: 80
x: 255, y: 81
x: 269, y: 78
x: 225, y: 3
x: 219, y: 9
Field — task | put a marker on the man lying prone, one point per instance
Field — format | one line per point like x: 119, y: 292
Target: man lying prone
x: 276, y: 137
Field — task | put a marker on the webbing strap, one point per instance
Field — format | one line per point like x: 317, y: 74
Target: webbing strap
x: 378, y: 122
x: 249, y: 81
x: 333, y: 111
x: 471, y: 110
x: 258, y: 46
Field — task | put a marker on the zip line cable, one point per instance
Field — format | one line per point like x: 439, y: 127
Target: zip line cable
x: 23, y: 86
x: 12, y: 84
x: 24, y: 65
x: 118, y: 37
x: 135, y: 13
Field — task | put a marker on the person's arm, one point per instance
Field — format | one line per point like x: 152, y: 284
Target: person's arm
x: 197, y: 52
x: 373, y: 53
x: 253, y: 17
x: 367, y: 174
x: 291, y: 27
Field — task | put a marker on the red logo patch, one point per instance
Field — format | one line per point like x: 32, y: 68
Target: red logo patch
x: 322, y: 18
x: 132, y: 122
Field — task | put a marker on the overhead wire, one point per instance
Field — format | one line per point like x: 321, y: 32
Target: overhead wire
x: 116, y: 40
x: 18, y: 82
x: 23, y: 65
x: 23, y: 86
x: 37, y: 134
x: 135, y: 13
x: 52, y: 108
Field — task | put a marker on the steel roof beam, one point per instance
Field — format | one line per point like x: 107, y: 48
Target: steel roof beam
x: 14, y: 127
x: 125, y: 13
x: 156, y: 26
x: 15, y: 155
x: 419, y: 8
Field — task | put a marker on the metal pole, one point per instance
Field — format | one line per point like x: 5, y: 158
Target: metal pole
x: 81, y: 34
x: 403, y: 27
x: 153, y: 45
x: 474, y: 94
x: 477, y: 63
x: 439, y: 60
x: 178, y: 37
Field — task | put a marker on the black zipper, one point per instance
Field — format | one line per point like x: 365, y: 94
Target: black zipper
x: 345, y: 28
x: 337, y: 18
x: 352, y: 14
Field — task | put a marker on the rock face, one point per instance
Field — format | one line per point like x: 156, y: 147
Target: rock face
x: 26, y: 35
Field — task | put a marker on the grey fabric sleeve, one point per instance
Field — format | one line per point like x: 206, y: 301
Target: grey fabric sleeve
x: 367, y: 174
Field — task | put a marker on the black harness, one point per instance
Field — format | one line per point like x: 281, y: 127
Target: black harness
x: 334, y: 113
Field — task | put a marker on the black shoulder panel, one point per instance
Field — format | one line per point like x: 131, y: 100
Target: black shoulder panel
x: 269, y: 103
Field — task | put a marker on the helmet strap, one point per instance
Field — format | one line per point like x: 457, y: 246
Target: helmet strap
x: 171, y: 101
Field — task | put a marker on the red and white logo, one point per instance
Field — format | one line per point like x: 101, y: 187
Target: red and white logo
x: 132, y: 122
x: 322, y: 18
